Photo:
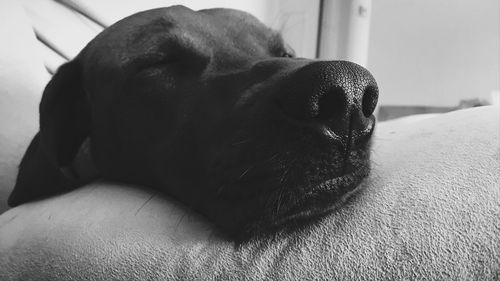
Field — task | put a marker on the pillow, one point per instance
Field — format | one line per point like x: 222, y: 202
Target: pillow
x: 22, y: 79
x: 429, y: 210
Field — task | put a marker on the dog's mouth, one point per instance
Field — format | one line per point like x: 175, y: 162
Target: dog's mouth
x: 340, y: 184
x: 303, y: 200
x: 263, y: 187
x: 322, y: 198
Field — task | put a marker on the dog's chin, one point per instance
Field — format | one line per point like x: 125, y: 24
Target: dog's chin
x: 305, y: 205
x: 321, y: 199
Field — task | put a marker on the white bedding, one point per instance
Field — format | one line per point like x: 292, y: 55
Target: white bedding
x: 429, y: 211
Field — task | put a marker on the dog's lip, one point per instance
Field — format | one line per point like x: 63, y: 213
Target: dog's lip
x: 324, y: 197
x: 341, y: 182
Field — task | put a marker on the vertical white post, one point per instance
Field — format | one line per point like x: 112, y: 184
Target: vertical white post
x: 345, y: 30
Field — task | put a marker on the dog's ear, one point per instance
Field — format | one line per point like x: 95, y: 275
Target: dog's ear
x: 47, y: 166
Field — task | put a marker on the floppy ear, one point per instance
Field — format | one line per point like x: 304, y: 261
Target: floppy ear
x: 46, y: 167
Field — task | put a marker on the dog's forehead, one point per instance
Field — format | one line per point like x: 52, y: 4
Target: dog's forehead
x: 154, y: 31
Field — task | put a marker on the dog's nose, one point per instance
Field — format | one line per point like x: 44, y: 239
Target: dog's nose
x: 337, y: 94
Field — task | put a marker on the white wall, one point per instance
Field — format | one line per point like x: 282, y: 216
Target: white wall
x: 345, y: 30
x: 298, y: 22
x: 435, y: 52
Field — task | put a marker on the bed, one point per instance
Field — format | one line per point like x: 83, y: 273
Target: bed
x: 430, y: 210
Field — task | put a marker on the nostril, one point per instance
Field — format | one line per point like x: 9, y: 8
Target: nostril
x: 369, y: 102
x: 332, y: 104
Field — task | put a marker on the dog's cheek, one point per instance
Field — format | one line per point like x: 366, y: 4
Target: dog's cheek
x: 140, y: 129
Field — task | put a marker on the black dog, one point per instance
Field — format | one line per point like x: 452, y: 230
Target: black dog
x: 211, y: 108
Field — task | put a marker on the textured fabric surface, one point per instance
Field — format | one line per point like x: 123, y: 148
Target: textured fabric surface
x: 429, y: 211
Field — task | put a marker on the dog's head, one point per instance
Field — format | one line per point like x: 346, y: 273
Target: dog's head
x: 212, y: 108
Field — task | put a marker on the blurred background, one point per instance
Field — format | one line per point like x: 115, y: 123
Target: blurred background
x: 427, y: 55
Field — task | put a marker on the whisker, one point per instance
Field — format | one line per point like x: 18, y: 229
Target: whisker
x: 279, y: 199
x: 184, y: 213
x: 145, y: 203
x: 283, y: 176
x: 274, y: 156
x: 245, y: 172
x: 220, y: 188
x: 240, y: 142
